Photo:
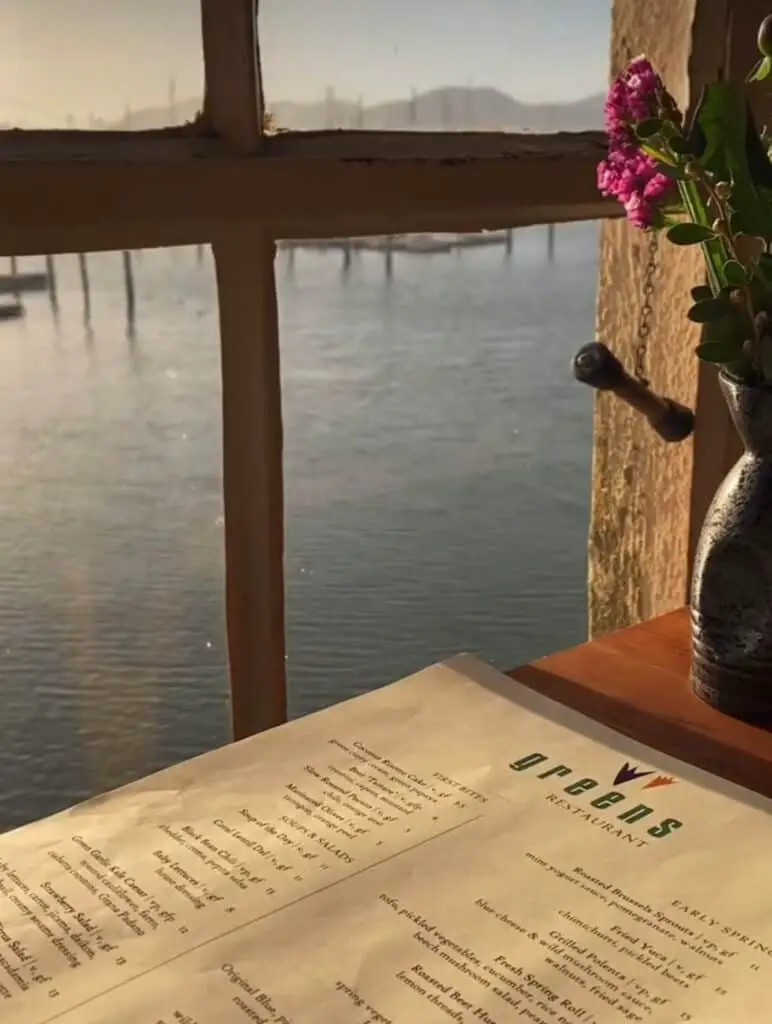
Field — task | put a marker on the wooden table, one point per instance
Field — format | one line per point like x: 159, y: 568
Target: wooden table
x: 637, y: 682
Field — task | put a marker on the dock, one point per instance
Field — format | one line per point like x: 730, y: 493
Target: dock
x: 18, y: 284
x: 415, y: 244
x: 11, y: 311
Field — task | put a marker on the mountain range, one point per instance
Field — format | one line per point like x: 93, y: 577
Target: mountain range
x: 449, y: 109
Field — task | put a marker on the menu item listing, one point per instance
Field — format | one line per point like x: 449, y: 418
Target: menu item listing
x: 450, y: 848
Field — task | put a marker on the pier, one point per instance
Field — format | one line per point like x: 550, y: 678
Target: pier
x: 414, y: 245
x: 14, y: 285
x: 17, y: 283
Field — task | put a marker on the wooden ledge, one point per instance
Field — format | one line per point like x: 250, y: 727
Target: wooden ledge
x: 447, y: 146
x: 637, y: 682
x: 192, y: 141
x: 80, y: 191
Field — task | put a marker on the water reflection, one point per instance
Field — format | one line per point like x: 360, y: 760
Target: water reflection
x: 110, y: 554
x: 437, y: 460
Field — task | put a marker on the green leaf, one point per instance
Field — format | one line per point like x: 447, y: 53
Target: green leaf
x: 680, y: 145
x: 727, y: 143
x: 671, y: 171
x: 707, y: 311
x: 707, y: 137
x: 757, y: 154
x: 761, y: 71
x: 689, y: 234
x: 735, y: 274
x: 765, y: 198
x: 701, y: 292
x: 655, y: 152
x: 719, y: 351
x: 646, y: 129
x: 764, y: 268
x: 733, y: 328
x: 751, y: 76
x: 713, y: 250
x: 761, y: 296
x: 735, y: 224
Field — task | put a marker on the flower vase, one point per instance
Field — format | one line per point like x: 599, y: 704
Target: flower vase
x: 731, y: 599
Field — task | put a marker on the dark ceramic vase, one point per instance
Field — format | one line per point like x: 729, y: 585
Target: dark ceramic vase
x: 731, y: 600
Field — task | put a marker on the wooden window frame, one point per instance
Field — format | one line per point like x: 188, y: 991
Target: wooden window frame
x: 221, y: 180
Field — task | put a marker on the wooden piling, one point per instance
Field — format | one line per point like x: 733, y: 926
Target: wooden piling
x: 550, y: 242
x: 85, y: 287
x: 14, y: 268
x: 389, y: 257
x: 128, y: 280
x: 52, y: 293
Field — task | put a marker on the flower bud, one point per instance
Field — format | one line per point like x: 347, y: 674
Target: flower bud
x: 763, y: 323
x: 749, y: 249
x: 723, y: 190
x: 764, y: 39
x: 692, y: 169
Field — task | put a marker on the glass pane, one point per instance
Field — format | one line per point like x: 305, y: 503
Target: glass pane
x: 510, y: 65
x: 111, y: 591
x: 122, y: 64
x: 438, y: 455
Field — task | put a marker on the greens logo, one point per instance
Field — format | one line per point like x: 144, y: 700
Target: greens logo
x: 588, y: 795
x: 628, y: 773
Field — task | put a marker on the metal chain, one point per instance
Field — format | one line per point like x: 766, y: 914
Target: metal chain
x: 644, y: 324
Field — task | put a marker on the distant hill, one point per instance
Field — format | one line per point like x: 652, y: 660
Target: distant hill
x: 451, y: 108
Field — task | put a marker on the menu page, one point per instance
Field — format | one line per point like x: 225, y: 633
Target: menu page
x: 450, y: 848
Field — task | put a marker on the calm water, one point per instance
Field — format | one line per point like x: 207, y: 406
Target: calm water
x: 438, y: 471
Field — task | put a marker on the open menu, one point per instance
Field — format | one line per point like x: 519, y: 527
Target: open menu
x: 453, y: 847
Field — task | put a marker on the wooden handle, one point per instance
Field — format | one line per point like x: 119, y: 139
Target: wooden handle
x: 597, y: 366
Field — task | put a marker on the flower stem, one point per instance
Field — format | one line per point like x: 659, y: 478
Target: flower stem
x: 722, y: 215
x: 693, y: 204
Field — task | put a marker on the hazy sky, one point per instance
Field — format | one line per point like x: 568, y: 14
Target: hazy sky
x: 81, y: 57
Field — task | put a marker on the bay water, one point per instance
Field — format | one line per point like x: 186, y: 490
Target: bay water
x: 438, y: 458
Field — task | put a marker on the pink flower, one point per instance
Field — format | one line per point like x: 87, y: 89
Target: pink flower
x: 616, y: 110
x: 628, y: 174
x: 640, y: 212
x: 633, y: 96
x: 644, y: 88
x: 657, y: 187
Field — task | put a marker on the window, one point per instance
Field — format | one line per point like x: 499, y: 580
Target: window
x: 516, y: 65
x: 437, y: 454
x: 112, y: 641
x: 222, y: 181
x: 61, y: 65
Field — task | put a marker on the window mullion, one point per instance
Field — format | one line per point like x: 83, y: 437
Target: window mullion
x: 251, y: 388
